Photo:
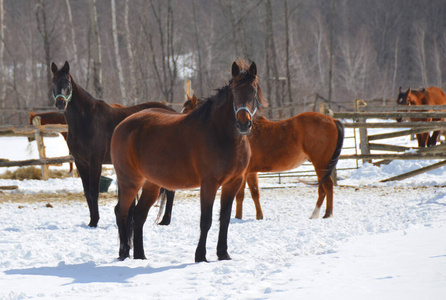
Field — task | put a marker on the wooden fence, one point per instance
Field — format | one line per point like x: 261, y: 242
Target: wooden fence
x: 379, y: 153
x: 368, y: 150
x: 38, y: 132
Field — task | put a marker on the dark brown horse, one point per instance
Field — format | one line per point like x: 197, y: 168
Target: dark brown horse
x: 284, y: 145
x: 429, y: 96
x: 207, y: 148
x: 91, y: 123
x: 52, y: 117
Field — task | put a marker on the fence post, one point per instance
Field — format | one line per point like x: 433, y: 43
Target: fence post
x: 363, y: 137
x: 41, y: 147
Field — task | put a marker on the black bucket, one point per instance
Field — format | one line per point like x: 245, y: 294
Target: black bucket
x: 104, y: 184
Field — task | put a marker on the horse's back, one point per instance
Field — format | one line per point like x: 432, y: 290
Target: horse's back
x: 156, y: 142
x: 435, y: 96
x: 286, y: 144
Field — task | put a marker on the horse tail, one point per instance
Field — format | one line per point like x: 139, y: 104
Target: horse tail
x: 162, y: 198
x: 335, y: 157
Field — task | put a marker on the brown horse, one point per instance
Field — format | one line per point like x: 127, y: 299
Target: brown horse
x: 430, y: 96
x: 284, y: 145
x: 91, y: 123
x: 207, y: 148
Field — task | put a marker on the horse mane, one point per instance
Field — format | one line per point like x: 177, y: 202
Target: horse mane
x: 204, y: 111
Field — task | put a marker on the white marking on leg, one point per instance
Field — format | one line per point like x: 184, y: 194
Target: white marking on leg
x: 315, y: 213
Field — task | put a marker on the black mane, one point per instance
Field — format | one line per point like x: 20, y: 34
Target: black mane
x: 203, y: 112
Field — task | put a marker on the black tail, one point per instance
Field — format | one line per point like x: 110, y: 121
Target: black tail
x: 334, y: 159
x: 165, y: 201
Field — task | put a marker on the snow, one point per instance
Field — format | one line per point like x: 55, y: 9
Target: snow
x: 385, y: 241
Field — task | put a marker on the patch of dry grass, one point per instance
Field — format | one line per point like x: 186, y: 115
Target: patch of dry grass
x: 32, y: 173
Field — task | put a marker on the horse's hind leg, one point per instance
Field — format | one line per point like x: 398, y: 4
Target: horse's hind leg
x: 253, y: 183
x: 148, y: 198
x: 320, y: 200
x: 124, y: 219
x: 328, y: 187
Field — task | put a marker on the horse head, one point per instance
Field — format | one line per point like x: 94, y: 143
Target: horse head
x: 245, y: 95
x: 62, y: 86
x: 191, y: 103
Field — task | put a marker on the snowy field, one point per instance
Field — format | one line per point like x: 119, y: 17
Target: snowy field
x: 385, y: 241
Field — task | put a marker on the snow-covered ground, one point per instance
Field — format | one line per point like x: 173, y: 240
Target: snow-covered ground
x: 385, y: 241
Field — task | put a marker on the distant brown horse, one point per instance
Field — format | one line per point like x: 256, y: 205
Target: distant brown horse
x: 91, y: 123
x: 284, y: 145
x: 429, y: 96
x: 207, y: 148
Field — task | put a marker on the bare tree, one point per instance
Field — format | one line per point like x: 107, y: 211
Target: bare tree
x: 46, y: 32
x: 118, y: 57
x: 420, y: 40
x: 198, y: 45
x: 2, y: 64
x: 75, y: 62
x: 95, y: 49
x: 133, y: 85
x: 164, y: 63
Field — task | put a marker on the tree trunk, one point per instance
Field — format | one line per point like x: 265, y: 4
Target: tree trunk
x: 2, y: 65
x: 133, y: 85
x: 73, y: 42
x: 42, y: 27
x: 198, y: 44
x: 118, y: 57
x: 95, y: 50
x: 287, y: 54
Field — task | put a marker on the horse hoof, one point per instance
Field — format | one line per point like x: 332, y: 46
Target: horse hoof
x: 121, y: 258
x: 143, y: 257
x: 93, y: 224
x: 224, y: 257
x: 259, y: 217
x: 164, y: 223
x: 200, y: 258
x: 328, y: 216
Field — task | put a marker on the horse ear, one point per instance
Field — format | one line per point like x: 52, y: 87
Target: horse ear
x: 235, y: 69
x: 53, y: 67
x: 408, y: 90
x: 253, y: 69
x: 194, y: 100
x: 399, y: 90
x: 66, y: 67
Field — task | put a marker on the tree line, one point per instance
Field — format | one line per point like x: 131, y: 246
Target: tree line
x: 132, y: 51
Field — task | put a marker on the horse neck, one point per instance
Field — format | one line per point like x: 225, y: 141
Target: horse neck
x: 81, y: 101
x: 223, y: 119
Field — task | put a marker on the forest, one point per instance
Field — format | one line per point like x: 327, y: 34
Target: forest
x: 132, y: 51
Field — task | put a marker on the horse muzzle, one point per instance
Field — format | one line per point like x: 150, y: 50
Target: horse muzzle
x: 61, y: 104
x: 244, y: 128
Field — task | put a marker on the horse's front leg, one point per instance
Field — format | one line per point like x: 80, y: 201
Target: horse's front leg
x: 228, y: 193
x: 84, y: 173
x: 208, y: 191
x: 93, y: 193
